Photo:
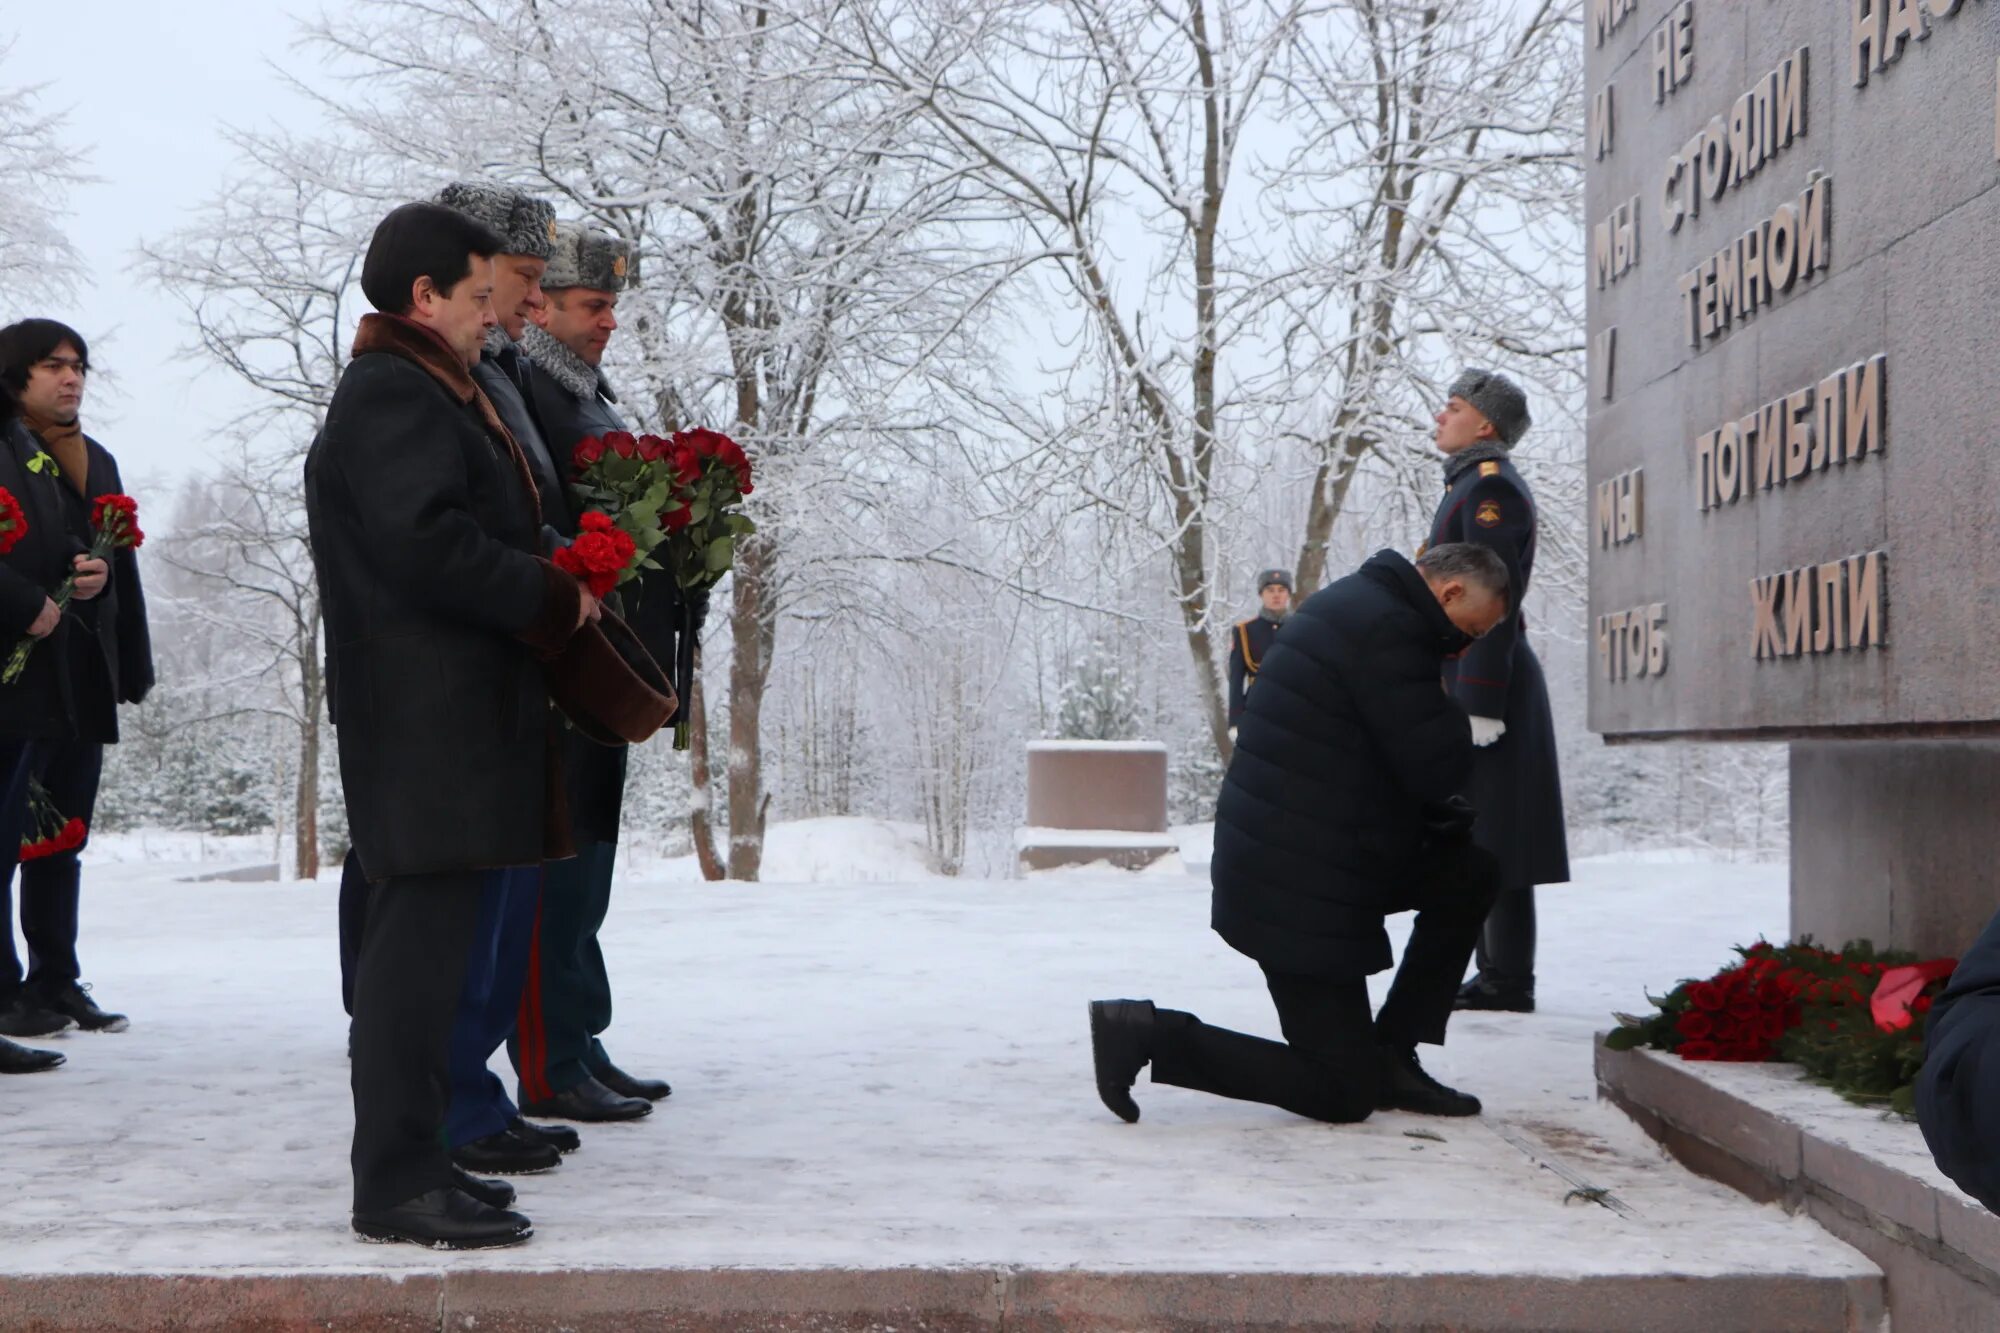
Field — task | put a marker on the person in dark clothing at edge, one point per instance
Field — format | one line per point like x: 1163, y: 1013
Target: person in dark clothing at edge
x: 440, y: 613
x: 1251, y: 639
x: 1340, y: 806
x: 484, y: 1129
x: 1514, y: 781
x: 36, y: 708
x: 103, y: 659
x: 1958, y: 1090
x: 565, y: 1072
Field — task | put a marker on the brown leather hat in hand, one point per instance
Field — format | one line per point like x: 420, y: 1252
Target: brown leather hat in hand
x: 609, y: 686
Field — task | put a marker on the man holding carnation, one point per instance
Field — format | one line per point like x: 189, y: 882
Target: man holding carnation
x: 104, y: 659
x: 441, y: 612
x: 564, y: 1069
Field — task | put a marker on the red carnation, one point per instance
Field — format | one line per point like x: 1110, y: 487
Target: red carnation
x: 13, y: 523
x: 1695, y: 1023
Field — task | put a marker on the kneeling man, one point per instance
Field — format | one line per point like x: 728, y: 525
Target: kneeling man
x: 1340, y: 807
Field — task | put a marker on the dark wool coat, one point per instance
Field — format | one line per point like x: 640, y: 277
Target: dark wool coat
x: 111, y: 652
x: 505, y: 378
x: 650, y: 605
x: 1958, y: 1092
x: 1515, y: 783
x: 41, y: 704
x: 439, y: 613
x: 1249, y: 640
x: 1346, y: 743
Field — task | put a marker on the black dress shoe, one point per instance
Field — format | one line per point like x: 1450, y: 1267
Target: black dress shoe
x: 23, y: 1017
x: 1406, y: 1086
x: 1479, y: 993
x: 445, y: 1219
x: 72, y: 1000
x: 505, y: 1154
x: 17, y: 1059
x: 590, y: 1102
x: 492, y: 1193
x: 560, y: 1137
x: 1121, y: 1044
x: 622, y: 1083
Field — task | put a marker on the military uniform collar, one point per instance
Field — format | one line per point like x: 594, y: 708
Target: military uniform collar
x: 564, y: 366
x: 1458, y: 464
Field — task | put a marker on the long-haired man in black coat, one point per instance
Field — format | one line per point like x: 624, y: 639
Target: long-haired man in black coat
x: 441, y: 613
x: 1341, y: 806
x: 106, y: 660
x: 1514, y: 781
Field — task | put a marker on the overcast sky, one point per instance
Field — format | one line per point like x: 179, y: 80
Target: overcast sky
x: 147, y: 87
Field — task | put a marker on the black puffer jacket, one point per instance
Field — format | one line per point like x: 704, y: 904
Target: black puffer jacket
x: 1346, y: 744
x: 1958, y: 1092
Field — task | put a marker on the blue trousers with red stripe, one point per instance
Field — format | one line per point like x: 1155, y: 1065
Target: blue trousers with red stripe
x: 566, y: 1002
x: 496, y: 970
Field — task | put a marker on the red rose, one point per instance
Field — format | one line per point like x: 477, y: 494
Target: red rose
x: 622, y: 443
x: 1705, y: 995
x: 1743, y: 1010
x: 1695, y: 1023
x: 1697, y: 1050
x: 13, y: 523
x: 652, y: 448
x: 676, y: 519
x: 588, y: 450
x: 1770, y: 1026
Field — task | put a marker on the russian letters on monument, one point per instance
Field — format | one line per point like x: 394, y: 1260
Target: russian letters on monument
x: 1742, y: 399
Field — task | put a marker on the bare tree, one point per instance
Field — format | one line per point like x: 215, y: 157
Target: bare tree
x: 1433, y: 194
x: 37, y: 171
x: 793, y: 264
x: 267, y: 273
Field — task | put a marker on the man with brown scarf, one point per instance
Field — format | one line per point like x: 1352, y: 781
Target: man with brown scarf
x: 106, y: 660
x: 440, y: 614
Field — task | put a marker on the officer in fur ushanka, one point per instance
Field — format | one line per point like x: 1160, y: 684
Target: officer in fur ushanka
x: 1514, y: 784
x: 565, y: 1072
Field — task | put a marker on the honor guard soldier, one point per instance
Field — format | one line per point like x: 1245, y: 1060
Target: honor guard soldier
x: 1514, y: 783
x: 1251, y: 638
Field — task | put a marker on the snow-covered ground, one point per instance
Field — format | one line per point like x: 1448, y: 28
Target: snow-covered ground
x: 880, y: 1073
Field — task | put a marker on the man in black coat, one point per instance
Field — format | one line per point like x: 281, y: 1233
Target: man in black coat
x: 1250, y: 639
x: 440, y: 612
x: 1339, y: 808
x: 1958, y: 1092
x: 558, y: 1052
x: 36, y: 709
x: 1514, y: 781
x: 106, y: 660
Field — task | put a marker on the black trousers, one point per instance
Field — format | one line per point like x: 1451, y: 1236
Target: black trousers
x: 353, y: 921
x: 1327, y: 1067
x: 1507, y: 944
x: 407, y: 989
x: 52, y: 886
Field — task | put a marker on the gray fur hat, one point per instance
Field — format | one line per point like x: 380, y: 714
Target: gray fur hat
x: 593, y: 259
x: 1498, y: 399
x: 1281, y: 577
x: 526, y: 225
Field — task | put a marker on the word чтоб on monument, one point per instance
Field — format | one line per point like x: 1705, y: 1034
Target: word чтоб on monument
x: 1761, y: 480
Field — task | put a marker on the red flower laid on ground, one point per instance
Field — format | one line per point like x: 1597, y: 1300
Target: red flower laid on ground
x: 13, y: 523
x: 1848, y: 1018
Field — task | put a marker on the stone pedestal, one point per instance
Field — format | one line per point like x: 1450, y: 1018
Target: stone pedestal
x: 1091, y: 801
x: 1894, y: 842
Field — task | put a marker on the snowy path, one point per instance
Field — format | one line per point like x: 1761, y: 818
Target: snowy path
x: 883, y: 1075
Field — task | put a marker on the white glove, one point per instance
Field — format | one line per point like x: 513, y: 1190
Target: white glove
x: 1232, y: 735
x: 1486, y: 730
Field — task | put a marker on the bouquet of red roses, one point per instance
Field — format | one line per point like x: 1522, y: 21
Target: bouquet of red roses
x: 652, y: 503
x: 13, y: 523
x: 48, y: 832
x: 115, y: 519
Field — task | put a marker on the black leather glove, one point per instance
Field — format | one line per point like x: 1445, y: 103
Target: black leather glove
x: 1450, y: 822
